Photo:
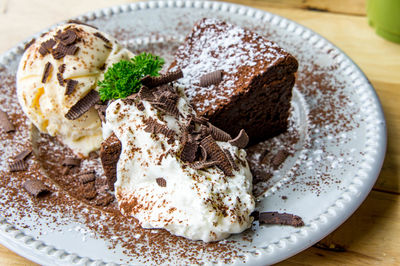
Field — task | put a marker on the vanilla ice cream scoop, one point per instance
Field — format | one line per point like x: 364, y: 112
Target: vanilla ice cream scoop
x: 59, y: 69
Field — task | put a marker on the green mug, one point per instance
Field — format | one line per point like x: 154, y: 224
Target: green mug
x: 384, y: 16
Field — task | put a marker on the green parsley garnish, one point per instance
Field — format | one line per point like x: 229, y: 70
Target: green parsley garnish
x: 123, y: 78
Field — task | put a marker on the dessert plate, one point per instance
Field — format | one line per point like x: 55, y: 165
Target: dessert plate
x: 336, y: 141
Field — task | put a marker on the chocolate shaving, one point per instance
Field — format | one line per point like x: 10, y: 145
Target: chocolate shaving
x: 23, y: 155
x: 17, y: 166
x: 46, y: 72
x: 109, y: 155
x: 202, y: 164
x: 189, y: 151
x: 101, y: 110
x: 71, y: 50
x: 213, y: 78
x: 161, y: 182
x: 203, y: 153
x: 71, y: 85
x: 59, y: 52
x: 280, y: 218
x: 279, y: 158
x: 60, y: 79
x: 200, y: 119
x: 230, y: 159
x: 87, y: 177
x: 146, y: 94
x: 107, y: 46
x: 241, y: 140
x: 27, y: 45
x: 83, y: 105
x: 35, y: 188
x: 61, y: 68
x: 153, y: 127
x: 43, y: 51
x: 105, y: 200
x: 99, y: 35
x: 217, y: 154
x: 89, y: 193
x: 152, y: 82
x: 70, y: 161
x: 218, y: 134
x: 67, y: 37
x: 75, y: 21
x: 169, y: 107
x: 5, y: 122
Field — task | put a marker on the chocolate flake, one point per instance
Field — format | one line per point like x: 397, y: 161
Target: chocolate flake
x: 60, y: 79
x: 152, y: 82
x: 279, y: 158
x: 87, y: 177
x: 46, y: 72
x: 18, y: 165
x: 23, y: 155
x: 71, y: 50
x: 35, y: 188
x: 200, y: 119
x: 161, y: 182
x: 5, y: 122
x: 75, y: 21
x: 203, y: 164
x: 217, y: 154
x: 241, y: 140
x: 218, y: 134
x: 83, y: 105
x: 230, y: 159
x: 203, y: 152
x: 105, y: 200
x: 146, y: 94
x: 49, y: 44
x: 71, y: 85
x: 213, y: 78
x: 43, y: 51
x: 189, y: 151
x: 59, y: 52
x: 153, y: 127
x: 67, y: 37
x: 61, y: 68
x: 27, y: 45
x: 107, y: 46
x: 109, y: 155
x: 280, y: 218
x: 71, y: 161
x: 101, y: 110
x: 99, y: 35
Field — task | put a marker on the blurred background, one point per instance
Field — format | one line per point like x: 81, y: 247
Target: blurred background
x: 371, y: 235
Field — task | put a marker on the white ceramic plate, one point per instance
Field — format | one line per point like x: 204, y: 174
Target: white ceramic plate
x: 335, y: 161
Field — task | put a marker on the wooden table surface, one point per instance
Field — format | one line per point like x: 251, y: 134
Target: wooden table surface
x: 372, y: 234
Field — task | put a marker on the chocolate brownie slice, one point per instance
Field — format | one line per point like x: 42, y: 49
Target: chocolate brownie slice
x: 257, y: 79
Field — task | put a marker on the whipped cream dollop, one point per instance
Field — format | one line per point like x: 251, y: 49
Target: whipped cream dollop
x: 44, y: 99
x: 156, y: 187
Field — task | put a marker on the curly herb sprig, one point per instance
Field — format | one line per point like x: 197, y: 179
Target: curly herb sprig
x: 123, y: 78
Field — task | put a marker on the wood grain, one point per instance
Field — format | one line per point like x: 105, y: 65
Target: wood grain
x: 352, y: 7
x: 371, y: 235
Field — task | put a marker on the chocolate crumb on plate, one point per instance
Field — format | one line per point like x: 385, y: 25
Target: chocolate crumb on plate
x: 279, y: 158
x: 35, y: 188
x: 5, y: 122
x: 241, y: 140
x: 83, y: 105
x: 18, y: 166
x: 71, y: 161
x: 46, y: 72
x: 212, y: 78
x: 71, y: 85
x: 280, y: 218
x: 23, y: 155
x: 161, y: 182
